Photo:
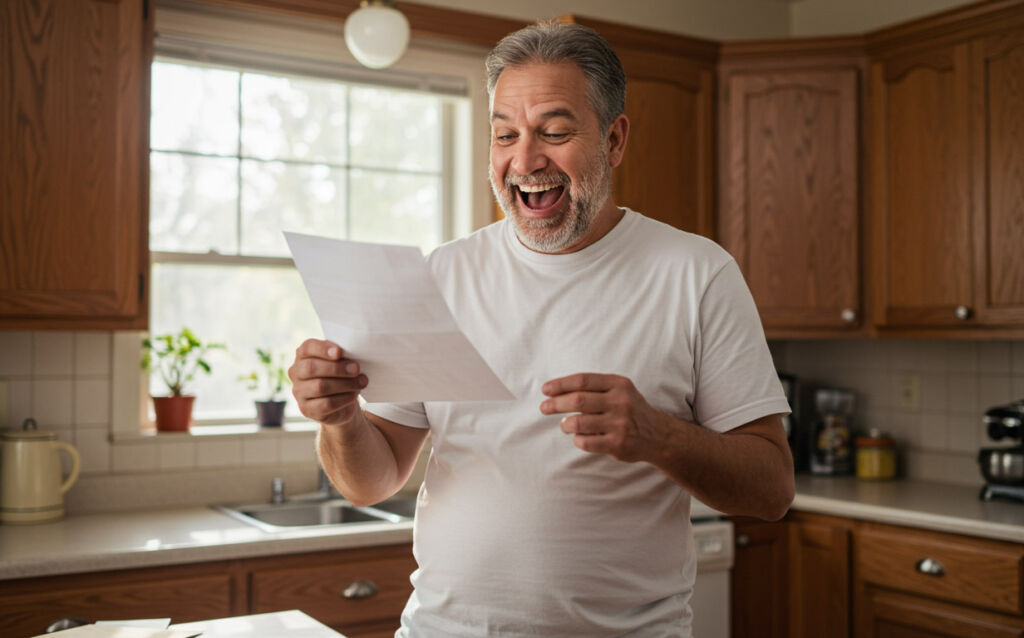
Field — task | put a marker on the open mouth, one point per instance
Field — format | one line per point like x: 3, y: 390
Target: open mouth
x: 540, y: 198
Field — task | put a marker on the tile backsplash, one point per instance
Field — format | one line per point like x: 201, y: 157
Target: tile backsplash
x: 929, y: 395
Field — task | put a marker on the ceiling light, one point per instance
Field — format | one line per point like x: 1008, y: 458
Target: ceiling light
x: 377, y: 33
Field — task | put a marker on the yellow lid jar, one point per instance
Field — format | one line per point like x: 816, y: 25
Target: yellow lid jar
x: 876, y: 456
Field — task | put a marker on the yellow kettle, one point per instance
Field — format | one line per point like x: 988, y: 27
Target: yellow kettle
x: 31, y: 486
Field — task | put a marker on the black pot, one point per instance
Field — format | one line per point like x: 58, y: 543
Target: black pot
x: 1002, y: 465
x: 269, y: 414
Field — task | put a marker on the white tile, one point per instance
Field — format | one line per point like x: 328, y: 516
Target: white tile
x: 177, y: 455
x: 51, y: 402
x: 92, y: 401
x: 92, y: 353
x: 140, y: 457
x: 52, y: 353
x: 1017, y: 357
x: 21, y: 402
x: 932, y: 392
x: 963, y: 433
x: 297, y: 449
x: 261, y: 450
x: 225, y: 453
x: 951, y: 469
x: 962, y: 393
x: 15, y: 354
x: 962, y: 357
x: 932, y: 432
x: 993, y: 390
x: 1017, y: 386
x: 902, y: 356
x: 994, y: 357
x: 94, y: 448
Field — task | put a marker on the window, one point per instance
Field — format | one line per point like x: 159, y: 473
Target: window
x: 247, y: 142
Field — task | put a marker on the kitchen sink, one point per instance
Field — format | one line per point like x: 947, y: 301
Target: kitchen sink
x: 275, y: 517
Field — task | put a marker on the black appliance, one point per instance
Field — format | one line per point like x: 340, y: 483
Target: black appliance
x: 1003, y: 467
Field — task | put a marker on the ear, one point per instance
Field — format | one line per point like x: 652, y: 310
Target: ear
x: 618, y: 132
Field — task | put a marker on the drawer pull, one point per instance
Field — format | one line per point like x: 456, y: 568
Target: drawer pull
x: 930, y: 567
x: 742, y: 540
x: 359, y: 590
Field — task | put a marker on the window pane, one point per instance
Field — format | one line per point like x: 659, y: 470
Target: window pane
x: 293, y: 118
x: 395, y: 129
x: 193, y: 203
x: 242, y: 307
x: 278, y: 196
x: 396, y: 208
x: 194, y: 109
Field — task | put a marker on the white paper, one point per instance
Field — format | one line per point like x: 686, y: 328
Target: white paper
x: 109, y: 631
x: 381, y: 305
x: 149, y: 623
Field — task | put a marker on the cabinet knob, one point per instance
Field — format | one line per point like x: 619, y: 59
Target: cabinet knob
x: 742, y: 540
x: 849, y: 315
x: 930, y: 567
x: 359, y: 590
x: 963, y: 313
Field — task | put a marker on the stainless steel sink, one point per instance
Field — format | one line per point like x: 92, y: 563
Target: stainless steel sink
x: 275, y: 517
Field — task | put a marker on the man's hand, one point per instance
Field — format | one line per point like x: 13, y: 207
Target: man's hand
x: 325, y: 385
x: 614, y: 418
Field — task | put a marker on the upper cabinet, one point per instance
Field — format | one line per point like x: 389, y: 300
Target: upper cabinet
x: 74, y: 118
x: 789, y: 181
x: 946, y: 176
x: 668, y: 169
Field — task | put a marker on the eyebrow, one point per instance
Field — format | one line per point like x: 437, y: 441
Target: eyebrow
x: 546, y: 115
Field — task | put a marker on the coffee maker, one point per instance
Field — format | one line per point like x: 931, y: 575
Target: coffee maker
x: 1003, y: 467
x: 831, y: 451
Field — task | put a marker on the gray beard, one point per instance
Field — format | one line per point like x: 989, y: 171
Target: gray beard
x: 586, y: 197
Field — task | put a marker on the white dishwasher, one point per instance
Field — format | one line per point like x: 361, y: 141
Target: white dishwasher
x: 712, y: 540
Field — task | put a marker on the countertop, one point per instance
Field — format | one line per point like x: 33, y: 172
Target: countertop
x: 96, y: 542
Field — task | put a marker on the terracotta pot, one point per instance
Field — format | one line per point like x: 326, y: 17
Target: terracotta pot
x: 269, y: 414
x: 173, y: 414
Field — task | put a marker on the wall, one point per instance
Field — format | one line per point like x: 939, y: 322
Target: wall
x: 957, y: 381
x: 840, y: 17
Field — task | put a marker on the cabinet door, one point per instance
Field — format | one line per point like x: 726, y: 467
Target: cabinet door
x: 997, y: 121
x: 887, y: 614
x: 920, y: 161
x: 73, y: 120
x: 759, y: 576
x: 790, y: 212
x: 819, y: 578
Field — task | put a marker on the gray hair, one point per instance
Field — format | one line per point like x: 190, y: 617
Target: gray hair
x: 554, y: 42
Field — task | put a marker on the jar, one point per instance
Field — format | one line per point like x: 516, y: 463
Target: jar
x: 876, y: 456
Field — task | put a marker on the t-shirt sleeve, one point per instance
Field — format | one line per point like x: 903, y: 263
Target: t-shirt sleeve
x: 413, y: 415
x: 735, y: 378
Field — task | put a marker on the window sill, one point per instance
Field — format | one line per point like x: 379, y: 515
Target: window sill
x: 220, y: 432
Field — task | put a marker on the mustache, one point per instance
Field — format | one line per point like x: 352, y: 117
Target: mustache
x: 513, y: 179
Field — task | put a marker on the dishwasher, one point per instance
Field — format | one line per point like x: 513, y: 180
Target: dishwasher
x: 712, y: 540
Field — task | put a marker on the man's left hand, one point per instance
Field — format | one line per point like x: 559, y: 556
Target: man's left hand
x: 613, y: 417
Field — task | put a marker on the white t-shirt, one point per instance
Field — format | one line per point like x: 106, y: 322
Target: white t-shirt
x: 518, y: 532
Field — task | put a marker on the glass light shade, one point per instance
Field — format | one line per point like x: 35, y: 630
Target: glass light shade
x: 377, y: 35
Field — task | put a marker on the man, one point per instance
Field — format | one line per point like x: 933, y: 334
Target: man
x: 639, y: 365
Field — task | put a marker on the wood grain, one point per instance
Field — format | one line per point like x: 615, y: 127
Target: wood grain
x: 759, y: 577
x: 819, y: 571
x: 889, y: 614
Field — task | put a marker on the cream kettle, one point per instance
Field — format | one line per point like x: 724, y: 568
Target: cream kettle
x: 31, y: 486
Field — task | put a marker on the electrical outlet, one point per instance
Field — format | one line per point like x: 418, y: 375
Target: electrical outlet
x: 5, y: 404
x: 908, y: 392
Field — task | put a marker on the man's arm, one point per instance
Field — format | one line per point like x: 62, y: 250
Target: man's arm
x: 366, y: 457
x: 746, y: 471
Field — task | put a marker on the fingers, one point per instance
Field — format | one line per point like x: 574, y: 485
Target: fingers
x: 588, y: 381
x: 586, y: 402
x: 319, y: 348
x: 591, y: 424
x: 326, y: 386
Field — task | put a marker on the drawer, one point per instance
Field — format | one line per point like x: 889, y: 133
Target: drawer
x: 970, y: 571
x: 339, y: 594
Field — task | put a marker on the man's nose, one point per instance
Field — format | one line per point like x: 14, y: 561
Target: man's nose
x: 528, y: 157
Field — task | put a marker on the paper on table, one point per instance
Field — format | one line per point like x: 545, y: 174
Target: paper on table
x: 382, y: 306
x: 109, y: 631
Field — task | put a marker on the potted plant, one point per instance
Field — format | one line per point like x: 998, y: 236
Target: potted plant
x: 177, y: 358
x: 268, y: 380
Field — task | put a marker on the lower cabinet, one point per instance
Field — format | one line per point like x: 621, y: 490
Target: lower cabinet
x: 814, y: 575
x: 358, y: 592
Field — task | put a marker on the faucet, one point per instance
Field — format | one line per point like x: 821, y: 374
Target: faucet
x: 323, y: 483
x: 277, y: 490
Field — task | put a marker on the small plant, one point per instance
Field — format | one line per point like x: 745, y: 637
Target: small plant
x: 176, y: 358
x: 269, y: 379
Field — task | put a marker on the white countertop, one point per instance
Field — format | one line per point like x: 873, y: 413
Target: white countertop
x: 97, y: 542
x: 945, y: 508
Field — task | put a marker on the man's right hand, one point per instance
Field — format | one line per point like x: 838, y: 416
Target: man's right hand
x: 325, y: 384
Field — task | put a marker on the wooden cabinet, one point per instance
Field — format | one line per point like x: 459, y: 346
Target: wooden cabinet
x: 668, y: 169
x: 359, y: 592
x: 759, y: 579
x: 74, y: 163
x: 917, y: 583
x: 947, y: 152
x: 819, y: 576
x: 789, y: 180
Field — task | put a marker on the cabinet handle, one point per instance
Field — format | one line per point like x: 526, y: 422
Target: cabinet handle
x: 359, y: 590
x: 930, y: 567
x: 742, y: 540
x: 963, y: 313
x: 849, y: 315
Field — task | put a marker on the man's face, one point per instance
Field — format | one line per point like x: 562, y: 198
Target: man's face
x: 550, y: 167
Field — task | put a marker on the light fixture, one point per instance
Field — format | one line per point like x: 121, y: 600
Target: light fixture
x: 377, y: 33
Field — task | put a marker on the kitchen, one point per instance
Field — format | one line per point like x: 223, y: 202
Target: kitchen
x: 919, y: 372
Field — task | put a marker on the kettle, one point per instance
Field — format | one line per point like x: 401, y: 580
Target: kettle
x: 31, y: 486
